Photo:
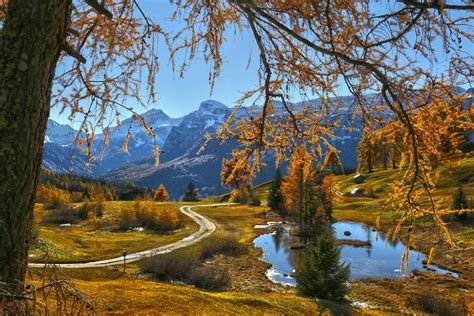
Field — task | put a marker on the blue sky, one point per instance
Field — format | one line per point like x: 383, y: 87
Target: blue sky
x: 179, y: 96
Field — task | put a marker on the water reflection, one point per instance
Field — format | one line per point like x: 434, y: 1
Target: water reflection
x: 382, y: 259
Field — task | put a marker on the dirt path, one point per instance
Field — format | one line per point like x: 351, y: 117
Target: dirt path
x: 206, y: 228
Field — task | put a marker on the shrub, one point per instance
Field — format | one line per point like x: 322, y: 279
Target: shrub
x: 432, y: 304
x: 223, y: 243
x: 171, y: 266
x: 185, y: 267
x: 65, y: 215
x: 320, y: 274
x: 167, y: 219
x: 144, y: 213
x: 208, y: 278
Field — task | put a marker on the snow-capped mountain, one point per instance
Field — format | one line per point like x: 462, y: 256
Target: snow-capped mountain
x: 180, y: 140
x: 61, y: 134
x: 61, y: 155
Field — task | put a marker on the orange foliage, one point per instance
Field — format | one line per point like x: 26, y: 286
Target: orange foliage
x: 161, y: 194
x: 236, y: 171
x: 51, y: 195
x: 299, y: 172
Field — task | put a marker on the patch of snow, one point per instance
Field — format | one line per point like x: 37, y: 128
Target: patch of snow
x: 361, y: 305
x: 272, y: 273
x: 136, y: 229
x: 356, y: 190
x: 210, y: 123
x: 68, y: 225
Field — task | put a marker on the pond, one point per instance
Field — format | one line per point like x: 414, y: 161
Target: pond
x: 381, y: 259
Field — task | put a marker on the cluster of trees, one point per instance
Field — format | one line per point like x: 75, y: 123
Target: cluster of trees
x: 305, y: 193
x: 145, y: 213
x: 237, y: 174
x: 54, y: 196
x: 88, y: 186
x: 383, y: 147
x: 379, y: 149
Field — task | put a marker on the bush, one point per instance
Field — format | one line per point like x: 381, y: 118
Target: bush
x: 320, y: 274
x: 224, y: 243
x: 144, y: 213
x: 430, y: 303
x: 185, y: 265
x: 171, y: 266
x: 167, y: 219
x: 65, y: 215
x: 209, y: 279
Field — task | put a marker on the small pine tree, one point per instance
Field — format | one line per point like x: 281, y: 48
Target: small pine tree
x: 275, y: 197
x: 191, y: 194
x: 320, y: 273
x: 459, y: 203
x: 160, y: 194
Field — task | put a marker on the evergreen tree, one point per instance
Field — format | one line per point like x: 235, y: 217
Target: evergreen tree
x: 320, y: 273
x: 191, y: 194
x: 459, y: 203
x: 160, y: 194
x: 275, y: 197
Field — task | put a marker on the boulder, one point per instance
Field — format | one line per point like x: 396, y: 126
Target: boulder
x: 358, y: 178
x: 357, y: 191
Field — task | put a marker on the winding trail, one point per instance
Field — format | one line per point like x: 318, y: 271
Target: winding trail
x: 206, y: 228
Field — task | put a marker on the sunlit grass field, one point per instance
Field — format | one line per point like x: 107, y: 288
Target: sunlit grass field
x: 97, y: 241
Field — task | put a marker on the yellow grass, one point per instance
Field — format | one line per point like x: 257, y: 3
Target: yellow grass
x: 87, y: 242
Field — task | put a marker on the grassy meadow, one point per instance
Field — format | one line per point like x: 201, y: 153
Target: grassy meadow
x: 248, y: 291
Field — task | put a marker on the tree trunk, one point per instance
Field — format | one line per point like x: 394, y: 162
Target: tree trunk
x: 30, y: 45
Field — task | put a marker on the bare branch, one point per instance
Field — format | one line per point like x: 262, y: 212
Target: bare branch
x: 99, y: 8
x: 73, y: 53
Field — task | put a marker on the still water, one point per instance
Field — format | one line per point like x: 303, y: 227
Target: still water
x: 381, y: 259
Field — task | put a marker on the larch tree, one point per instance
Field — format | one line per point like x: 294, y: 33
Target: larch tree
x: 236, y: 172
x: 161, y: 194
x: 297, y: 187
x: 366, y: 152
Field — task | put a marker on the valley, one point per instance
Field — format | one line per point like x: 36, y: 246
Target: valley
x: 249, y: 288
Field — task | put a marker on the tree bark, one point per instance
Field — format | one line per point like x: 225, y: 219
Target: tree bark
x: 30, y: 45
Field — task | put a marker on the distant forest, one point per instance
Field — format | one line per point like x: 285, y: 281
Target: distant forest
x: 77, y: 183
